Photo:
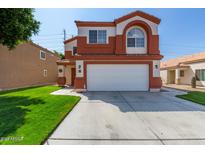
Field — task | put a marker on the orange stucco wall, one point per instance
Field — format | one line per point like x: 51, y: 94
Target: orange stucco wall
x: 85, y: 48
x: 117, y: 44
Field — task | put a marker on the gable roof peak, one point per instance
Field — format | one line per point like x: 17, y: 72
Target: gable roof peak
x: 118, y: 20
x: 138, y: 13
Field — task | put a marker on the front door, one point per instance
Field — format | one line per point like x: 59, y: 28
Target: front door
x: 72, y: 76
x: 172, y: 77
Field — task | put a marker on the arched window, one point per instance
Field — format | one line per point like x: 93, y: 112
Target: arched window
x: 135, y: 38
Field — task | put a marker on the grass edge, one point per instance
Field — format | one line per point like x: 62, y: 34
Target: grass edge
x: 188, y: 99
x: 49, y: 134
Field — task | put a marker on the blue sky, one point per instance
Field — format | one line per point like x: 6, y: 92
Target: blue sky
x: 182, y: 31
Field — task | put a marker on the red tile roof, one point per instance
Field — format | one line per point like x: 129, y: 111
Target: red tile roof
x: 138, y: 13
x: 182, y: 61
x: 118, y: 20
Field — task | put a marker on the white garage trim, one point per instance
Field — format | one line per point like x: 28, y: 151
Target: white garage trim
x: 117, y: 77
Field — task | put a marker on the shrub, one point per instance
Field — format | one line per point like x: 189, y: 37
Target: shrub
x: 193, y: 82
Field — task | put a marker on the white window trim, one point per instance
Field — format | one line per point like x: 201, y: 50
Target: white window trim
x: 40, y: 55
x: 156, y: 68
x: 79, y: 68
x: 138, y: 50
x: 88, y: 40
x: 45, y: 72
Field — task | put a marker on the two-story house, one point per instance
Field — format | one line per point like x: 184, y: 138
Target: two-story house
x: 122, y: 55
x: 27, y: 65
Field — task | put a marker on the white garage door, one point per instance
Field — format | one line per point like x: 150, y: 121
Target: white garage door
x: 117, y: 77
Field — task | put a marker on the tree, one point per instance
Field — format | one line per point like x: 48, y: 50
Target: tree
x: 17, y: 26
x: 61, y: 55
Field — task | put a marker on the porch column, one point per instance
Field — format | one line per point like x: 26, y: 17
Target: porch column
x: 177, y: 77
x: 61, y: 75
x: 79, y: 80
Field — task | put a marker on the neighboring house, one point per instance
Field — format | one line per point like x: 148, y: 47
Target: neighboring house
x: 181, y: 70
x: 122, y: 55
x: 27, y: 65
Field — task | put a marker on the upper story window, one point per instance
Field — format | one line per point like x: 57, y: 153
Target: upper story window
x: 135, y: 38
x: 97, y: 36
x: 74, y: 50
x: 42, y: 55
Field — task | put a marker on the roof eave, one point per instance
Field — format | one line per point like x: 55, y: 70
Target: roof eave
x: 138, y: 13
x: 118, y: 20
x: 70, y: 40
x: 94, y: 24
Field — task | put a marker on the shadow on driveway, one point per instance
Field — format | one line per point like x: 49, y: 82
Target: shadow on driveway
x: 142, y: 101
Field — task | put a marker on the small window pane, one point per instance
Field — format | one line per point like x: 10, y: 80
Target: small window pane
x: 139, y: 42
x: 92, y: 36
x: 200, y: 75
x: 45, y: 73
x: 102, y: 36
x: 181, y: 73
x: 74, y: 50
x: 135, y: 32
x: 197, y: 75
x: 203, y: 75
x: 136, y: 36
x: 42, y: 55
x: 131, y: 42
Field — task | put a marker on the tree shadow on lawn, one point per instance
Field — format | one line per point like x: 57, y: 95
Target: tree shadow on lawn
x: 13, y: 111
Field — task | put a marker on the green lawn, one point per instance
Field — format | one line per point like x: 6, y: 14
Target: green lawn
x: 197, y: 97
x: 30, y: 115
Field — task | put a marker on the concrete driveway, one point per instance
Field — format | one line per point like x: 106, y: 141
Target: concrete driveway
x: 132, y: 118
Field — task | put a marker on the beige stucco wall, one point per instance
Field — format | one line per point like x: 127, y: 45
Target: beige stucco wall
x: 156, y: 68
x: 22, y: 67
x: 69, y: 46
x: 62, y: 68
x: 189, y: 73
x: 66, y: 71
x: 196, y: 66
x: 68, y: 74
x: 163, y: 74
x: 167, y: 76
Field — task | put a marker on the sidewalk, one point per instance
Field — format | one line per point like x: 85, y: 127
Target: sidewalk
x: 184, y: 87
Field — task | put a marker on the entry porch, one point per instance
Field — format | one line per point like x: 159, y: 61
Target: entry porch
x: 66, y: 73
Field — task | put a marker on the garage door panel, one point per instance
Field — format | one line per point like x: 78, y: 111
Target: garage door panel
x: 117, y: 77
